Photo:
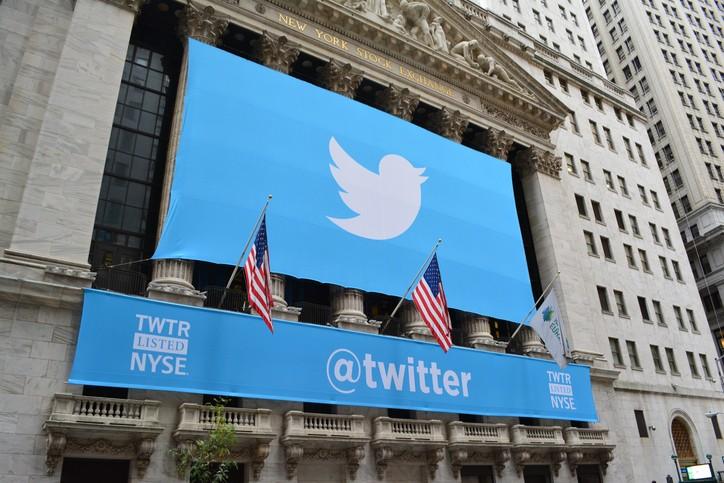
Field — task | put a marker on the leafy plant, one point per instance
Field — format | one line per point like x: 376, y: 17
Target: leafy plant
x: 208, y: 460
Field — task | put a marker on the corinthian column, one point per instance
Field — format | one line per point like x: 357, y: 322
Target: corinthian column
x: 172, y: 279
x: 535, y: 159
x: 496, y: 143
x: 348, y: 310
x: 340, y: 78
x: 275, y: 52
x: 448, y: 123
x: 397, y: 101
x: 476, y: 334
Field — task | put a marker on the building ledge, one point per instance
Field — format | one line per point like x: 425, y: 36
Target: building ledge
x: 323, y: 436
x: 252, y: 429
x: 478, y: 443
x: 587, y: 446
x: 537, y: 444
x: 83, y: 425
x: 414, y: 439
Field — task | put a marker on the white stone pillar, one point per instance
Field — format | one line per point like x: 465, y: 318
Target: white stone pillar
x: 56, y: 213
x: 476, y: 334
x: 172, y: 279
x: 412, y: 325
x: 281, y: 309
x: 532, y: 344
x: 348, y: 310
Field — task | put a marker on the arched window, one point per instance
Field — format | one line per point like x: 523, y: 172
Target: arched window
x: 682, y: 442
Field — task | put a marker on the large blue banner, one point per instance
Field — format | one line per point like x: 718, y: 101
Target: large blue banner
x: 359, y: 196
x: 140, y: 343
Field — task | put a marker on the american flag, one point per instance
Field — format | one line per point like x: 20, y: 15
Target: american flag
x: 258, y: 276
x: 429, y: 298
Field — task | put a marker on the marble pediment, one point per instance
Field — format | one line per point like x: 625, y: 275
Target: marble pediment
x: 450, y: 42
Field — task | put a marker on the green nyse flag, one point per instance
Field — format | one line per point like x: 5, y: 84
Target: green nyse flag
x: 547, y: 322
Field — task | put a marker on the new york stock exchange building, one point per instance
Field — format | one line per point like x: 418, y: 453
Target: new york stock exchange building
x: 138, y: 143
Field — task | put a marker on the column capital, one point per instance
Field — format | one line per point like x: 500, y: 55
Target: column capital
x: 536, y: 159
x: 275, y: 52
x: 340, y: 77
x: 398, y: 101
x: 497, y: 143
x: 448, y: 123
x: 131, y: 5
x: 201, y: 24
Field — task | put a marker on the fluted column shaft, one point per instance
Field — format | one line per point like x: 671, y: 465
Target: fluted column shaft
x: 412, y: 325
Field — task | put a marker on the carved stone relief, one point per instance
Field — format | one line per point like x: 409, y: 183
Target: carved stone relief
x: 397, y: 101
x: 535, y: 159
x: 275, y: 52
x: 448, y: 123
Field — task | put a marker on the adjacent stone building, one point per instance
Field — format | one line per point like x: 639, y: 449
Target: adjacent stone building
x: 90, y: 103
x: 668, y: 55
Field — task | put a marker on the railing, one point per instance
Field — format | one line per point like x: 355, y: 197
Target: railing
x: 103, y: 410
x: 123, y: 281
x: 408, y: 429
x: 234, y: 301
x: 586, y: 437
x: 460, y: 432
x: 315, y: 313
x: 547, y: 435
x: 197, y: 417
x: 299, y: 425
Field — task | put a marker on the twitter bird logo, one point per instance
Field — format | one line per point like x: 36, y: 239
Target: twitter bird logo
x: 386, y: 203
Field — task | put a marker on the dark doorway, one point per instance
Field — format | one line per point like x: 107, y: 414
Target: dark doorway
x: 477, y: 474
x: 84, y: 470
x: 589, y: 474
x: 537, y: 474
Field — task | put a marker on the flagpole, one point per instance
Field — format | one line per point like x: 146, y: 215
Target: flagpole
x: 419, y: 272
x: 535, y: 306
x: 243, y: 252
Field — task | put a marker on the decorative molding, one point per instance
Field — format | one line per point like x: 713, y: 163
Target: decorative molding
x: 275, y: 52
x: 448, y: 123
x: 340, y: 77
x: 535, y: 159
x: 497, y: 143
x: 133, y: 6
x: 397, y: 101
x: 509, y: 117
x: 201, y: 24
x: 292, y: 454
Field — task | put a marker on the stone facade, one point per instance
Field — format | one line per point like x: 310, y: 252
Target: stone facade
x: 57, y: 102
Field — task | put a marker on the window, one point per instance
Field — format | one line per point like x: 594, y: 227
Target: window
x: 644, y: 261
x: 679, y: 317
x: 585, y: 96
x: 594, y: 132
x: 655, y: 199
x: 606, y: 247
x: 574, y: 122
x: 685, y: 204
x: 590, y: 243
x: 692, y: 320
x: 677, y: 270
x: 707, y: 374
x: 667, y: 238
x: 640, y: 151
x: 570, y: 164
x: 548, y: 76
x: 656, y: 356
x: 586, y: 169
x: 622, y: 185
x: 692, y: 365
x: 609, y: 139
x: 620, y: 220
x: 664, y: 267
x: 629, y: 256
x: 654, y: 233
x: 616, y: 352
x: 642, y: 195
x: 644, y: 309
x: 608, y: 179
x: 672, y: 361
x: 581, y: 204
x: 597, y: 213
x: 599, y: 104
x: 564, y: 85
x: 658, y: 312
x: 620, y: 303
x: 634, y: 225
x: 704, y: 261
x: 641, y: 423
x: 633, y: 354
x: 603, y: 300
x: 629, y: 149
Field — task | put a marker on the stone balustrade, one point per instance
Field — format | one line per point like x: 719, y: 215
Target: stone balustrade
x: 459, y: 432
x: 124, y: 427
x: 409, y: 429
x: 197, y: 417
x: 412, y: 439
x: 537, y: 435
x: 300, y: 424
x: 586, y: 437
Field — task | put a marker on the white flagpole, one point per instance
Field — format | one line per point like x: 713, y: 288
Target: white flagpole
x: 419, y: 272
x: 535, y: 306
x: 243, y: 252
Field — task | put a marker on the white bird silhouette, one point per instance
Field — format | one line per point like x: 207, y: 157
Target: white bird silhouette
x: 386, y: 203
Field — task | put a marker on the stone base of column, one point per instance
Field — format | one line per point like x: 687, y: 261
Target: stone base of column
x: 348, y: 311
x: 286, y: 313
x: 412, y: 325
x: 368, y: 326
x: 172, y: 283
x: 490, y: 345
x: 281, y: 310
